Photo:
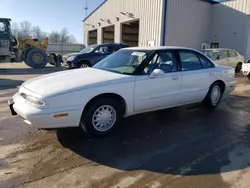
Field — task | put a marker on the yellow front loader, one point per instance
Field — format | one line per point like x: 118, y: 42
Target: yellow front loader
x: 32, y: 52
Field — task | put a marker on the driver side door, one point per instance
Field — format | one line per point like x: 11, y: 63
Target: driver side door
x: 158, y: 92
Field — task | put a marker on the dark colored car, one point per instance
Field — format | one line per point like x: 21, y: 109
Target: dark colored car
x: 92, y: 54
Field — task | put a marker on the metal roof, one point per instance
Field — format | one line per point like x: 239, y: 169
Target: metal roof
x: 208, y: 1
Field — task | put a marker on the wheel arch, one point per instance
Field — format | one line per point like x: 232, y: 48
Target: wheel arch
x: 221, y: 83
x: 114, y: 96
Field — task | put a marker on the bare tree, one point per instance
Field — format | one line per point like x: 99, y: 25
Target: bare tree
x: 54, y: 37
x: 38, y: 33
x: 25, y: 30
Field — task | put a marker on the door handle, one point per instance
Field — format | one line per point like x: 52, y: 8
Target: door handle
x: 211, y: 74
x: 175, y: 78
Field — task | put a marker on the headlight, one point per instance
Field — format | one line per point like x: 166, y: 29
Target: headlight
x: 35, y: 101
x: 71, y: 58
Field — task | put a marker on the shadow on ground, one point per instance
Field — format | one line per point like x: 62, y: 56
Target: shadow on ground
x: 28, y: 71
x: 9, y: 83
x: 186, y: 141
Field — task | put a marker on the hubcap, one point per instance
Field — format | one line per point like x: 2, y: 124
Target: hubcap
x: 104, y: 118
x: 37, y: 58
x: 215, y: 94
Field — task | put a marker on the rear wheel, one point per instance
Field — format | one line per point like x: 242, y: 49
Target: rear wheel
x: 101, y: 117
x: 214, y: 95
x: 238, y: 68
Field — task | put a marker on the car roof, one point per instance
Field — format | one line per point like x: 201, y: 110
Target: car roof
x: 108, y: 44
x: 160, y: 48
x: 217, y: 49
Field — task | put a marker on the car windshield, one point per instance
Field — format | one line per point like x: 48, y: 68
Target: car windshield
x: 88, y: 49
x: 211, y: 54
x: 123, y: 61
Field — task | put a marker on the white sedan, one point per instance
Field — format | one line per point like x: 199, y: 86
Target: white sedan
x: 129, y: 82
x: 227, y: 57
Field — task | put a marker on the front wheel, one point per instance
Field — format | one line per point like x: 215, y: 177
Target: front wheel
x: 214, y: 96
x: 248, y: 76
x: 83, y: 65
x: 101, y: 117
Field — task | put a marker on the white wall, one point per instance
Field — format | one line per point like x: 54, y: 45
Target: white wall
x: 188, y: 23
x: 64, y: 48
x: 149, y: 12
x: 229, y: 27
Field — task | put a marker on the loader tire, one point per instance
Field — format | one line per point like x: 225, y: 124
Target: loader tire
x: 36, y: 58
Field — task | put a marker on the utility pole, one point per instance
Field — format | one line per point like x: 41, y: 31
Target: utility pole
x: 86, y: 8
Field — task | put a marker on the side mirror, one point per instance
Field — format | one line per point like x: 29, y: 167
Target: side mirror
x: 157, y: 73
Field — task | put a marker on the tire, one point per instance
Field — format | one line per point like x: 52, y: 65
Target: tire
x: 36, y: 58
x: 89, y: 121
x: 52, y: 59
x: 83, y: 64
x: 248, y: 77
x: 238, y: 68
x: 213, y: 100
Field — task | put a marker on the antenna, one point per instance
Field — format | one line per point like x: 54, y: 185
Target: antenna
x: 86, y: 8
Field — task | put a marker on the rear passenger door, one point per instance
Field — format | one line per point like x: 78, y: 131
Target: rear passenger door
x: 196, y: 76
x: 233, y: 58
x: 223, y: 58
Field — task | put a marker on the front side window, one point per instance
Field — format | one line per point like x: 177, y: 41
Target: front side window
x: 190, y: 61
x: 223, y: 54
x: 206, y: 64
x: 123, y: 61
x: 166, y: 62
x: 2, y: 27
x: 232, y: 53
x: 102, y: 50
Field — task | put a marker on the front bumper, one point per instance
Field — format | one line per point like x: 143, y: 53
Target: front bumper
x: 44, y: 118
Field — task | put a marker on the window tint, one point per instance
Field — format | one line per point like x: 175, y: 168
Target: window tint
x: 113, y: 49
x: 166, y: 62
x: 223, y: 54
x: 190, y: 61
x: 102, y: 49
x: 205, y: 62
x: 232, y: 53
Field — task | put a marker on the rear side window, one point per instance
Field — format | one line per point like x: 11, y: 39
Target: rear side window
x: 113, y: 49
x: 190, y: 61
x: 206, y: 64
x: 232, y: 53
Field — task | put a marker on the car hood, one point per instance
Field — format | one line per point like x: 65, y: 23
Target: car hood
x: 71, y: 54
x: 73, y: 80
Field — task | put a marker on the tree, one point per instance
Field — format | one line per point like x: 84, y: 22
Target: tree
x: 38, y: 33
x: 25, y: 30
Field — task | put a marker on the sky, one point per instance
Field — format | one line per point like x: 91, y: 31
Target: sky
x: 50, y: 14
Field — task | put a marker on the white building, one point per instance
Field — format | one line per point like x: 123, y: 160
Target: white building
x: 189, y: 23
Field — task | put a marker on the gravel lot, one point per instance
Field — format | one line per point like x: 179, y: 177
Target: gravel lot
x: 189, y: 147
